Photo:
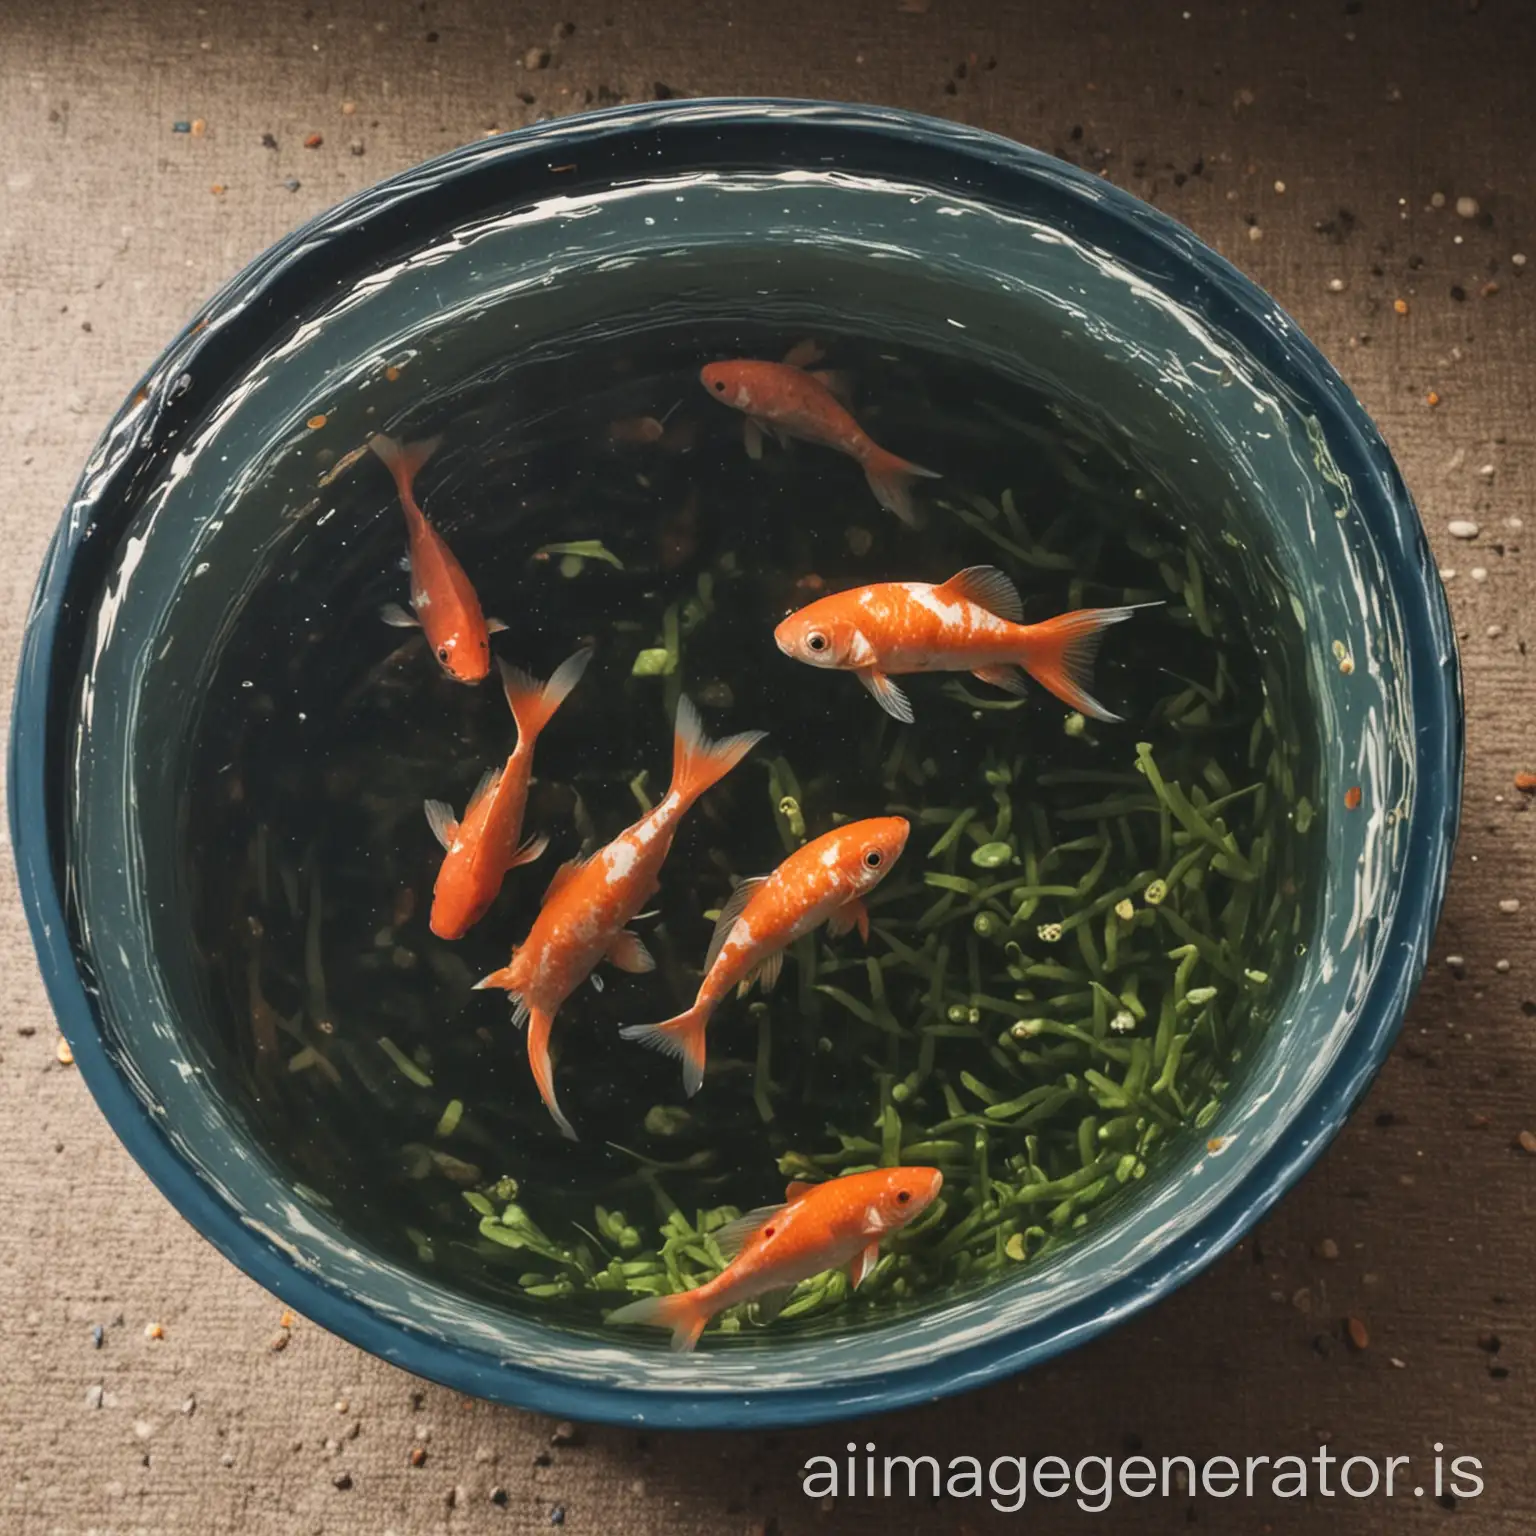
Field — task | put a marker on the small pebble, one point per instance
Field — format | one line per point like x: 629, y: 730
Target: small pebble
x: 536, y: 58
x: 1467, y: 207
x: 227, y: 1459
x: 348, y: 108
x: 314, y: 141
x: 557, y: 1515
x: 1526, y: 1141
x: 1327, y: 1249
x: 1479, y: 573
x: 153, y: 1331
x: 542, y: 1459
x: 1356, y: 1332
x: 63, y: 1052
x: 1517, y: 261
x: 343, y: 1405
x: 1335, y: 285
x: 94, y: 1395
x: 279, y: 1341
x: 565, y: 1433
x: 1437, y: 199
x: 188, y: 1407
x: 499, y: 1497
x: 1280, y: 187
x: 1510, y: 904
x: 1255, y: 234
x: 1494, y: 631
x: 1400, y: 306
x: 1462, y: 528
x: 1502, y: 967
x: 199, y: 127
x: 293, y: 184
x: 1526, y: 783
x: 1432, y: 399
x: 98, y: 1335
x: 356, y: 147
x: 181, y: 126
x: 418, y: 1456
x: 342, y: 1480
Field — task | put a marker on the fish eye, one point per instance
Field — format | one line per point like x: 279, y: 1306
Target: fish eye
x: 873, y: 859
x: 902, y: 1196
x: 816, y: 641
x: 442, y: 653
x: 719, y: 386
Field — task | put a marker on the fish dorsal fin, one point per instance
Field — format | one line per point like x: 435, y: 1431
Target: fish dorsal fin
x: 487, y: 786
x: 988, y: 588
x: 562, y: 877
x: 441, y: 819
x: 804, y: 353
x: 795, y: 1188
x: 734, y: 1235
x: 735, y: 903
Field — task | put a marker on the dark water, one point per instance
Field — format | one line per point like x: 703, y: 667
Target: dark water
x: 323, y: 732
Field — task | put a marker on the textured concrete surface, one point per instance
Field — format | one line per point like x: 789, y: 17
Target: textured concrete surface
x: 1309, y: 142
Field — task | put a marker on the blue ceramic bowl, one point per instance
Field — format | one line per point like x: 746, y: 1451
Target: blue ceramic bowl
x: 1185, y: 351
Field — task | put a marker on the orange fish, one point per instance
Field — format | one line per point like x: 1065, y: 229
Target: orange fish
x: 445, y: 604
x: 823, y: 882
x: 774, y: 1248
x: 483, y: 846
x: 590, y: 901
x: 971, y: 623
x: 781, y: 398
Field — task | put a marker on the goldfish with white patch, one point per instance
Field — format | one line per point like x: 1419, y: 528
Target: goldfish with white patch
x: 971, y: 623
x: 482, y: 846
x: 443, y: 599
x: 826, y: 881
x: 788, y: 401
x: 771, y: 1250
x: 590, y: 902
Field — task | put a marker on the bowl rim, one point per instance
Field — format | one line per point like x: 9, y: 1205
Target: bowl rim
x: 1393, y: 521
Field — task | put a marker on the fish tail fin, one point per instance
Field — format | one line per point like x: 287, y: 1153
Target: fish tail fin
x: 890, y: 478
x: 404, y: 460
x: 683, y: 1313
x: 682, y: 1037
x: 539, y: 1024
x: 1059, y: 654
x: 698, y: 762
x: 532, y: 702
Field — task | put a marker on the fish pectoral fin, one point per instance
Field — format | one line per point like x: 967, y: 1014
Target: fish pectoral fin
x: 732, y: 1237
x: 852, y: 914
x: 1006, y: 677
x: 771, y: 1303
x: 561, y: 878
x: 441, y: 819
x: 628, y: 953
x: 735, y: 904
x: 752, y: 437
x: 863, y: 1265
x: 494, y: 627
x: 888, y: 696
x: 532, y: 849
x: 397, y: 618
x: 987, y: 587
